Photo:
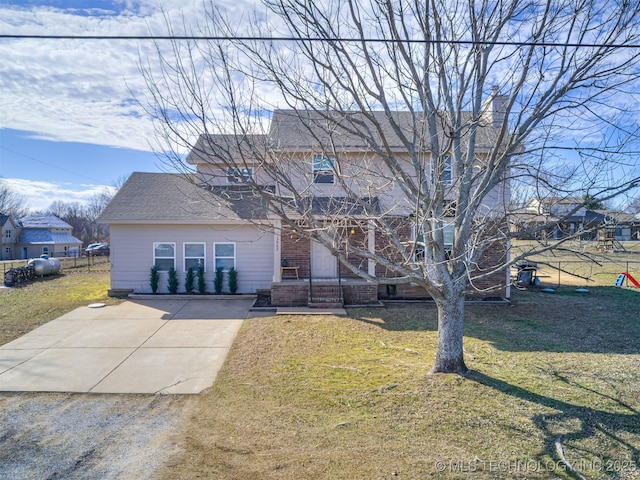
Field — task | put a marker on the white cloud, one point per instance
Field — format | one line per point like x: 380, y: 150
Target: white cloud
x: 81, y: 90
x: 40, y: 195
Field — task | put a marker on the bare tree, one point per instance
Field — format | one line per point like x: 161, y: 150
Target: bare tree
x: 493, y: 96
x: 11, y: 202
x: 83, y: 217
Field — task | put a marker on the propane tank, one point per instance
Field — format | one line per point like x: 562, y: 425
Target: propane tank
x: 44, y: 266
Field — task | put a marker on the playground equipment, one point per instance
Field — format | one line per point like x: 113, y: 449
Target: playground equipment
x: 622, y: 276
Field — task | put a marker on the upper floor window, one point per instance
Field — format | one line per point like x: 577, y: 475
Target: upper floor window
x: 446, y: 171
x: 324, y: 167
x: 239, y: 175
x: 7, y: 233
x: 164, y: 255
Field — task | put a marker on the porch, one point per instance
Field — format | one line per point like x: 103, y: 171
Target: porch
x: 323, y: 292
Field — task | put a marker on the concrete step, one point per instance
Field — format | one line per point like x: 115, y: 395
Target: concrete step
x: 328, y: 305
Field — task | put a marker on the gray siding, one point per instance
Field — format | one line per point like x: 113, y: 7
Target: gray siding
x: 132, y: 254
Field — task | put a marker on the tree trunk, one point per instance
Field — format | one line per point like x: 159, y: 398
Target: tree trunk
x: 449, y: 354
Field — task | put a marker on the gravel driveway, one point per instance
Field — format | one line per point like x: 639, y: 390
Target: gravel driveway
x: 77, y: 436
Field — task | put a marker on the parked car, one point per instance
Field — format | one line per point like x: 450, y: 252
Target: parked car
x: 99, y: 250
x: 91, y: 246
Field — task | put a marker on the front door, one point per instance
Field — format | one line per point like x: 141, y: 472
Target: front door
x: 323, y: 263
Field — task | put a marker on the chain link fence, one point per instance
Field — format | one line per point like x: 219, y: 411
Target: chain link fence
x: 586, y: 273
x: 584, y: 265
x: 68, y: 264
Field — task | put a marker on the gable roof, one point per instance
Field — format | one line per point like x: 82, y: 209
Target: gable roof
x: 42, y: 236
x: 3, y: 219
x: 239, y: 147
x: 43, y: 221
x: 309, y: 130
x: 172, y: 198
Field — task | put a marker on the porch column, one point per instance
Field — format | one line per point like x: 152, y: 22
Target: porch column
x: 277, y: 230
x: 371, y: 241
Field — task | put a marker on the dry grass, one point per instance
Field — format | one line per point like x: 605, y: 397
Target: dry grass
x: 330, y: 397
x: 27, y: 307
x: 581, y: 264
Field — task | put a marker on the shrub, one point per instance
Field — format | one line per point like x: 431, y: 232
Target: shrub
x: 217, y: 282
x: 188, y: 280
x: 173, y: 281
x: 154, y: 278
x: 202, y: 286
x: 233, y: 280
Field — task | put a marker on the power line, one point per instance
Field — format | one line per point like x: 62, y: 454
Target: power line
x: 50, y: 165
x: 308, y: 39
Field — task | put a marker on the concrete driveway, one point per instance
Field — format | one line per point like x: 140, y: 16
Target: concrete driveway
x: 139, y: 346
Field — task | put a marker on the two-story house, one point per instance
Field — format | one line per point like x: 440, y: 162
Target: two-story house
x: 8, y: 237
x: 563, y: 217
x: 215, y: 219
x: 47, y: 235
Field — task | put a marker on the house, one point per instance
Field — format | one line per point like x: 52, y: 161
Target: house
x: 563, y: 217
x: 214, y: 219
x: 46, y: 235
x: 622, y: 225
x: 8, y: 238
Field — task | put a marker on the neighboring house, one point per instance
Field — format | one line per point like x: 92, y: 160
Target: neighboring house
x: 558, y: 218
x: 165, y: 220
x: 47, y: 235
x: 9, y: 232
x: 621, y: 225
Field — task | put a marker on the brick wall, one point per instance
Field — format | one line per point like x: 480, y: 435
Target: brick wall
x: 401, y: 227
x: 360, y: 294
x: 358, y: 237
x: 495, y: 284
x: 297, y: 250
x: 289, y: 295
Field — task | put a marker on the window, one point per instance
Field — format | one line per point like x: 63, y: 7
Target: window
x: 164, y: 255
x: 194, y: 256
x: 7, y: 251
x: 7, y: 233
x: 324, y: 169
x: 446, y: 170
x: 45, y: 250
x: 225, y: 255
x: 447, y: 231
x: 239, y: 175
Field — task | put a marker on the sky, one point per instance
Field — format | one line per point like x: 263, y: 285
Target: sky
x: 69, y: 125
x: 69, y: 122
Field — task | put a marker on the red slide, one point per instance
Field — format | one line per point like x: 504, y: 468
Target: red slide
x: 633, y: 281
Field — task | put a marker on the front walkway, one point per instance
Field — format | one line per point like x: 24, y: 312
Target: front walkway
x: 140, y: 346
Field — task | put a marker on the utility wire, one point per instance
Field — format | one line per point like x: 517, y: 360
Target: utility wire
x: 309, y: 39
x: 51, y: 165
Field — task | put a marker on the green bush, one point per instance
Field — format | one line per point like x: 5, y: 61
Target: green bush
x: 173, y: 281
x: 154, y: 278
x: 217, y: 282
x: 233, y: 280
x: 202, y: 286
x: 188, y: 280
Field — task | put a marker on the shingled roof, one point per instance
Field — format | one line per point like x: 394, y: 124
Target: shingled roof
x: 172, y: 198
x: 307, y: 130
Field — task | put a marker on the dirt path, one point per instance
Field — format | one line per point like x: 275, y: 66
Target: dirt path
x: 71, y: 436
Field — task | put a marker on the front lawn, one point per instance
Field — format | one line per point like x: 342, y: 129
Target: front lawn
x: 25, y: 307
x: 329, y: 397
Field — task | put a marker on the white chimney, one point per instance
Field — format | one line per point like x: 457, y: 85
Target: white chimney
x: 494, y: 108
